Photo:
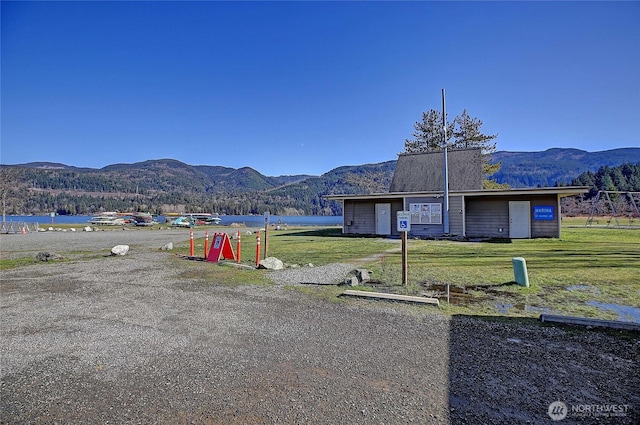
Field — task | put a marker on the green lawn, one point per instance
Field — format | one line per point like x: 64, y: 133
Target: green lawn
x: 586, y: 264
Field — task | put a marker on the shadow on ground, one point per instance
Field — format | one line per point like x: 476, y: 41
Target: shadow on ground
x: 589, y: 371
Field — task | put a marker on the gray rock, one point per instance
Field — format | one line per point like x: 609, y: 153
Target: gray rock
x: 357, y: 276
x: 120, y: 250
x: 352, y: 281
x: 48, y: 256
x: 363, y: 275
x: 271, y: 263
x: 167, y: 247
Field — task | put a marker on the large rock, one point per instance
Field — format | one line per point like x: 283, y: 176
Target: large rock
x: 120, y: 250
x: 167, y: 247
x: 271, y: 263
x: 363, y: 275
x: 352, y: 281
x: 357, y: 276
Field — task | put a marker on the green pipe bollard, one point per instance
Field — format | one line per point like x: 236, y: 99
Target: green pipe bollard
x: 520, y: 271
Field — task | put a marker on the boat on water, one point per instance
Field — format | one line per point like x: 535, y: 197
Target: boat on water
x: 108, y: 219
x: 142, y: 219
x: 121, y: 219
x: 193, y: 219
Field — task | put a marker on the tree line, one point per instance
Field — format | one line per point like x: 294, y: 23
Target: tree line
x: 624, y: 178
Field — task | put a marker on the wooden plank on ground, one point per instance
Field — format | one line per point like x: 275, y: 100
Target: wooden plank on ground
x: 393, y: 297
x: 584, y: 321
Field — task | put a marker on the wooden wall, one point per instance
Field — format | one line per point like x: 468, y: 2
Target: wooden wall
x: 485, y: 216
x: 482, y: 216
x: 359, y: 216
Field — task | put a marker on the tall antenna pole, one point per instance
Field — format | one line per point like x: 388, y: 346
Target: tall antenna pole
x: 445, y: 171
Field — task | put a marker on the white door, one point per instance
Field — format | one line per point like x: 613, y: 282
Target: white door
x: 383, y: 219
x: 519, y: 219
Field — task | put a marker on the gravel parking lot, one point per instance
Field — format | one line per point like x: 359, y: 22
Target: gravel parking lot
x: 103, y: 339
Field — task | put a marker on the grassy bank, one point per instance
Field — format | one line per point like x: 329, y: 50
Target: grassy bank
x: 568, y: 275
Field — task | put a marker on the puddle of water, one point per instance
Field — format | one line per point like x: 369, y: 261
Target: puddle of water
x: 583, y: 288
x: 578, y: 288
x: 503, y: 308
x: 462, y: 297
x: 625, y: 313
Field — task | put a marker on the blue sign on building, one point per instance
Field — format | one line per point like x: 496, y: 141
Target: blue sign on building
x: 543, y: 212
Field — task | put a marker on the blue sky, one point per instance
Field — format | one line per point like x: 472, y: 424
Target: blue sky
x: 304, y: 87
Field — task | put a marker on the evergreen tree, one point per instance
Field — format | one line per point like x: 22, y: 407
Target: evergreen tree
x: 463, y: 133
x: 428, y: 133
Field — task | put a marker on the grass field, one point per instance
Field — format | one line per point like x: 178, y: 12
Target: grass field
x: 590, y: 271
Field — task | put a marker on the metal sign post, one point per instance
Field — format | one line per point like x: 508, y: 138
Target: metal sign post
x: 266, y: 231
x: 404, y: 226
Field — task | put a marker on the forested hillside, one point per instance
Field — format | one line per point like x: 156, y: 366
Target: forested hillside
x: 161, y: 186
x: 167, y: 185
x: 622, y: 181
x: 556, y: 166
x: 625, y: 178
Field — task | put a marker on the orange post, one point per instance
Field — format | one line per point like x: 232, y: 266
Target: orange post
x: 191, y: 245
x: 206, y: 243
x: 238, y: 245
x: 258, y: 249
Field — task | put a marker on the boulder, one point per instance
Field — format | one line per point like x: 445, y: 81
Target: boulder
x: 363, y: 275
x: 352, y: 281
x: 87, y: 229
x: 357, y: 276
x: 271, y: 263
x: 167, y: 247
x: 120, y: 250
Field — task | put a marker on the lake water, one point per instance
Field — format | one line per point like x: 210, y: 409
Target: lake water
x: 248, y: 220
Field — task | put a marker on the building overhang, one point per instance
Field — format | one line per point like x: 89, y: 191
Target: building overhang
x: 558, y: 191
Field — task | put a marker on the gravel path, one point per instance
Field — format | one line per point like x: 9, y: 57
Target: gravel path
x: 329, y: 274
x: 132, y: 340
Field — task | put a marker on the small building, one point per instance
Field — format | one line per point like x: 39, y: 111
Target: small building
x: 418, y: 187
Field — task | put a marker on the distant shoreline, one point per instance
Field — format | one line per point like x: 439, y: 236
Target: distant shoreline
x: 227, y: 220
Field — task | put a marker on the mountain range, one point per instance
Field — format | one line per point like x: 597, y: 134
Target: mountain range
x: 167, y: 183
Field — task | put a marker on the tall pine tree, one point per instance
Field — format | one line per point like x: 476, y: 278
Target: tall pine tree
x: 462, y: 133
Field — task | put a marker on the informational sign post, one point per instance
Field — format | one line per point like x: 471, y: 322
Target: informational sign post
x: 266, y: 231
x: 404, y: 221
x: 404, y: 226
